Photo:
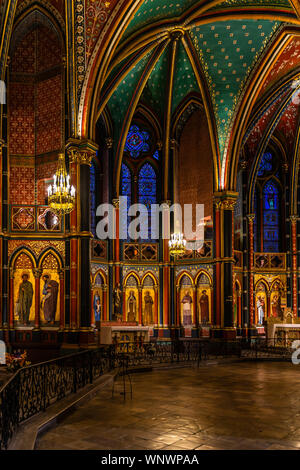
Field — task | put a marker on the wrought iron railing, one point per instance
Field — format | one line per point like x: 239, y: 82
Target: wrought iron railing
x: 33, y: 389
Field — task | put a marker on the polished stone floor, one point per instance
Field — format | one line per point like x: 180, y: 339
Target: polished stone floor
x: 229, y: 406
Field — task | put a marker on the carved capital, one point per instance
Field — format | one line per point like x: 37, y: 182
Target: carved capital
x: 293, y: 219
x: 225, y: 200
x: 81, y: 157
x: 37, y: 272
x: 251, y: 218
x: 81, y: 152
x: 116, y: 203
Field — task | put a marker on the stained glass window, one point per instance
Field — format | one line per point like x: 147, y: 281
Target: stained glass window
x: 156, y: 155
x: 93, y: 197
x: 137, y: 141
x: 266, y: 164
x: 147, y: 189
x: 271, y: 217
x: 126, y: 182
x: 255, y: 225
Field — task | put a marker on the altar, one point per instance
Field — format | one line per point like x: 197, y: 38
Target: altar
x: 282, y: 332
x: 117, y: 333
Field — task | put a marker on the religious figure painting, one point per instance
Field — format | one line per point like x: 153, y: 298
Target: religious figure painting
x: 131, y: 307
x: 148, y: 310
x: 187, y: 309
x: 49, y: 299
x: 204, y: 307
x: 97, y: 306
x: 276, y: 302
x: 117, y: 297
x: 24, y: 300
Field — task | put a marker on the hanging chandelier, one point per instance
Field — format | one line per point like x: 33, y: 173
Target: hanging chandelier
x: 177, y: 244
x: 61, y: 195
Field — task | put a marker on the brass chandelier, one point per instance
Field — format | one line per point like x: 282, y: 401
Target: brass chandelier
x: 61, y: 195
x: 177, y: 244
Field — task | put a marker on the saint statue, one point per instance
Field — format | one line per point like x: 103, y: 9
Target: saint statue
x: 204, y: 307
x: 25, y: 299
x: 148, y: 315
x: 131, y: 303
x: 117, y: 296
x: 97, y: 306
x: 260, y: 304
x: 49, y: 300
x: 187, y: 309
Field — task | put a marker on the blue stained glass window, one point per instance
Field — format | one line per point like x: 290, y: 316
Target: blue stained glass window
x: 125, y: 191
x: 255, y: 225
x: 147, y: 189
x: 266, y: 164
x: 137, y: 141
x: 156, y: 155
x: 271, y: 217
x: 93, y: 197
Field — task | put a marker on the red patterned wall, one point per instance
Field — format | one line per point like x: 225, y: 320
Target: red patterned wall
x: 44, y: 173
x: 21, y: 183
x: 23, y: 59
x: 49, y: 115
x: 48, y: 49
x: 22, y: 126
x: 35, y: 109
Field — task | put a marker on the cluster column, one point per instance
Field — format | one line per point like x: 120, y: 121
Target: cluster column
x: 224, y: 203
x: 81, y: 153
x: 293, y: 220
x: 251, y: 311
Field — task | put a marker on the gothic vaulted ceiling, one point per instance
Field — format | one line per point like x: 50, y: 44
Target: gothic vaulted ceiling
x: 172, y: 50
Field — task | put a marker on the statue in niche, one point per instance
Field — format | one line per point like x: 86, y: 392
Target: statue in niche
x: 131, y: 302
x: 187, y: 309
x: 24, y: 301
x: 260, y: 304
x: 117, y: 296
x: 97, y: 306
x: 49, y: 300
x: 148, y: 316
x: 204, y: 307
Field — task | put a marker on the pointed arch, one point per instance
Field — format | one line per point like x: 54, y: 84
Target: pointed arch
x: 133, y: 274
x: 26, y: 252
x: 149, y: 274
x: 230, y: 161
x: 48, y: 254
x: 206, y: 273
x: 181, y: 275
x: 264, y: 283
x: 102, y: 274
